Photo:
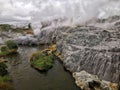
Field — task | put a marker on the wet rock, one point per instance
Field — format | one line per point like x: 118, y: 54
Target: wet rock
x: 26, y: 40
x: 87, y: 81
x: 92, y: 49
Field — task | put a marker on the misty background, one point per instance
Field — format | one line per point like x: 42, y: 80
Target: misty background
x: 24, y: 11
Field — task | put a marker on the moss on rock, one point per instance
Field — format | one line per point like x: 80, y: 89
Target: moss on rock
x: 5, y: 83
x: 41, y: 61
x: 4, y: 48
x: 9, y: 48
x: 5, y: 80
x: 3, y: 70
x: 5, y: 27
x: 11, y: 44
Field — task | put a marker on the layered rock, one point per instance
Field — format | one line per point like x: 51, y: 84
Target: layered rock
x: 92, y: 49
x: 95, y: 50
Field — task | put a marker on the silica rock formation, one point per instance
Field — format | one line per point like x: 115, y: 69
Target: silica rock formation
x: 93, y: 49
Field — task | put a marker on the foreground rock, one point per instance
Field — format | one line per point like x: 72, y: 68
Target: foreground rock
x: 92, y: 49
x: 26, y: 40
x: 87, y: 81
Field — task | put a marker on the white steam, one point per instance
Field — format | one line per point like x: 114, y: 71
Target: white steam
x: 73, y: 11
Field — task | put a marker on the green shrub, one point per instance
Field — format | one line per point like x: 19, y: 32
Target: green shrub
x: 3, y: 70
x: 4, y: 48
x: 41, y: 61
x: 4, y: 54
x: 11, y: 44
x: 5, y: 83
x: 5, y: 27
x: 9, y: 48
x: 4, y: 51
x: 4, y: 79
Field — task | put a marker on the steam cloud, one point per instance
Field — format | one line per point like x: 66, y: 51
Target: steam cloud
x: 13, y: 11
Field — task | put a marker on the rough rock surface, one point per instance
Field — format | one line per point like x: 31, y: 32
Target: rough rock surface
x: 4, y: 36
x: 91, y: 82
x: 46, y: 35
x: 26, y: 40
x: 92, y: 49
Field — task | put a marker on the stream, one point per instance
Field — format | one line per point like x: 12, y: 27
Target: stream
x: 27, y: 78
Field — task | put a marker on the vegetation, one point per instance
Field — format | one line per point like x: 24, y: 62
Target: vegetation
x: 3, y: 70
x: 4, y: 49
x: 41, y: 61
x: 11, y: 45
x: 6, y: 86
x: 2, y: 54
x: 4, y: 78
x: 5, y: 27
x: 5, y: 83
x: 19, y: 30
x: 9, y: 48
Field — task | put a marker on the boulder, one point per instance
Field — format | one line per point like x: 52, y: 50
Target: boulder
x: 91, y: 82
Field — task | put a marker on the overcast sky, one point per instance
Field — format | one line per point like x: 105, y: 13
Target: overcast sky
x: 35, y: 10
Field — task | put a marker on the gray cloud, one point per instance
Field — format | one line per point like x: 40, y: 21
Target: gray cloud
x: 36, y: 10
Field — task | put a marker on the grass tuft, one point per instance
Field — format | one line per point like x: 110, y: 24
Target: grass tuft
x: 41, y: 61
